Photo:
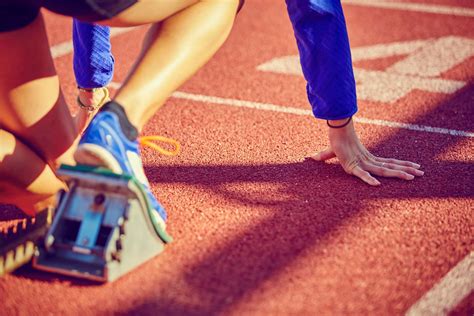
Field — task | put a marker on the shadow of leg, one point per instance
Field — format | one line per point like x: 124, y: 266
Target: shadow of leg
x: 26, y: 180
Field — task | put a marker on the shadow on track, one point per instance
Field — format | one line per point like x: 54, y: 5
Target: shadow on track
x: 314, y: 204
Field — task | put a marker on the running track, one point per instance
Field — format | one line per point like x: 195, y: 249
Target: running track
x: 259, y: 230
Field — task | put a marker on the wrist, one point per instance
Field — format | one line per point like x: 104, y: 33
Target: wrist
x: 345, y: 131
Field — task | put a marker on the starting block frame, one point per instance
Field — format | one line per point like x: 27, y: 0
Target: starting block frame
x: 103, y: 226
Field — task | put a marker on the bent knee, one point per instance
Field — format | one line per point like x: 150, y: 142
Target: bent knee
x: 241, y: 4
x: 234, y: 3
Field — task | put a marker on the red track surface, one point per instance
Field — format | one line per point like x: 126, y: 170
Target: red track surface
x: 260, y: 230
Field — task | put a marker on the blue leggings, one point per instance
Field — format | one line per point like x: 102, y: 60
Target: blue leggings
x: 93, y: 60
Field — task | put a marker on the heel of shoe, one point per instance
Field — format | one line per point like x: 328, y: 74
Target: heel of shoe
x: 94, y: 155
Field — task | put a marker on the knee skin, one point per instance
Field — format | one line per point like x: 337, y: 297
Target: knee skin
x: 26, y: 179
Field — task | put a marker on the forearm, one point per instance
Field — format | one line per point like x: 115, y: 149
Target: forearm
x: 93, y: 60
x: 323, y: 44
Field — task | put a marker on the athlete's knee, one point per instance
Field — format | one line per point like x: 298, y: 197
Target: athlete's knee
x: 241, y: 4
x: 237, y: 4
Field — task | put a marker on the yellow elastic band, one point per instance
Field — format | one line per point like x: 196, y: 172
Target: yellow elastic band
x: 148, y: 141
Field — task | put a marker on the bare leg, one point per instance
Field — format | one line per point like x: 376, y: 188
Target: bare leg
x: 190, y: 33
x: 36, y: 128
x: 26, y: 179
x: 31, y: 99
x: 173, y: 50
x: 31, y: 102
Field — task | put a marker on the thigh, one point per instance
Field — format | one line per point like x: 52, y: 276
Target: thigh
x: 15, y: 14
x: 89, y: 10
x: 119, y: 12
x: 19, y: 13
x: 149, y: 11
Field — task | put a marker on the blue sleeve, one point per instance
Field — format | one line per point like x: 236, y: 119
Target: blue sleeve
x: 93, y: 59
x: 325, y: 56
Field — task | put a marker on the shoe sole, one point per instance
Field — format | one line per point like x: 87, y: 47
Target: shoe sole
x: 95, y: 155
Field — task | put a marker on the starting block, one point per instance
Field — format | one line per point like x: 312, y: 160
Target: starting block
x: 18, y: 242
x: 103, y: 226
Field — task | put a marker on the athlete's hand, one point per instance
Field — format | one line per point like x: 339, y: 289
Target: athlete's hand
x: 358, y: 161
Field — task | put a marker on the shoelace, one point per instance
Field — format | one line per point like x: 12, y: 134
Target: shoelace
x: 148, y: 141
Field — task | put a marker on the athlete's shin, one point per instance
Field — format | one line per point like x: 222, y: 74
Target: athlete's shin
x: 172, y: 52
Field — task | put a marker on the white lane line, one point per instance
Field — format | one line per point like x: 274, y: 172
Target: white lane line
x: 240, y: 103
x: 414, y: 127
x: 65, y: 48
x: 292, y: 110
x: 304, y: 112
x: 421, y: 68
x: 417, y: 7
x: 449, y: 292
x: 435, y: 57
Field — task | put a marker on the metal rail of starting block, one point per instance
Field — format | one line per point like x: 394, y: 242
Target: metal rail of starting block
x: 103, y: 227
x: 18, y: 241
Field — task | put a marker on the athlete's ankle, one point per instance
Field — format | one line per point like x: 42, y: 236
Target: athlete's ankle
x: 92, y: 98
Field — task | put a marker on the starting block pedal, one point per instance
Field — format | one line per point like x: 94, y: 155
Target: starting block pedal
x: 18, y: 242
x: 103, y: 227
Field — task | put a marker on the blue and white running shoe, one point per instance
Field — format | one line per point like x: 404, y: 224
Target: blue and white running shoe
x: 104, y: 144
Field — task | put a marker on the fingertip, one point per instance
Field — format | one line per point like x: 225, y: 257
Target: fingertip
x: 409, y: 176
x: 373, y: 182
x: 317, y: 157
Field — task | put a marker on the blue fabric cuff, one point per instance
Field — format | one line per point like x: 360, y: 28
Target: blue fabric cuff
x: 93, y: 59
x: 325, y: 56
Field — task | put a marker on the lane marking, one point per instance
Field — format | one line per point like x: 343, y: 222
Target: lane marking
x: 448, y: 292
x: 386, y: 50
x: 426, y: 60
x: 417, y: 7
x: 304, y: 112
x: 435, y: 57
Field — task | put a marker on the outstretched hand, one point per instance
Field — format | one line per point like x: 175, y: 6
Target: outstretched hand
x: 356, y: 160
